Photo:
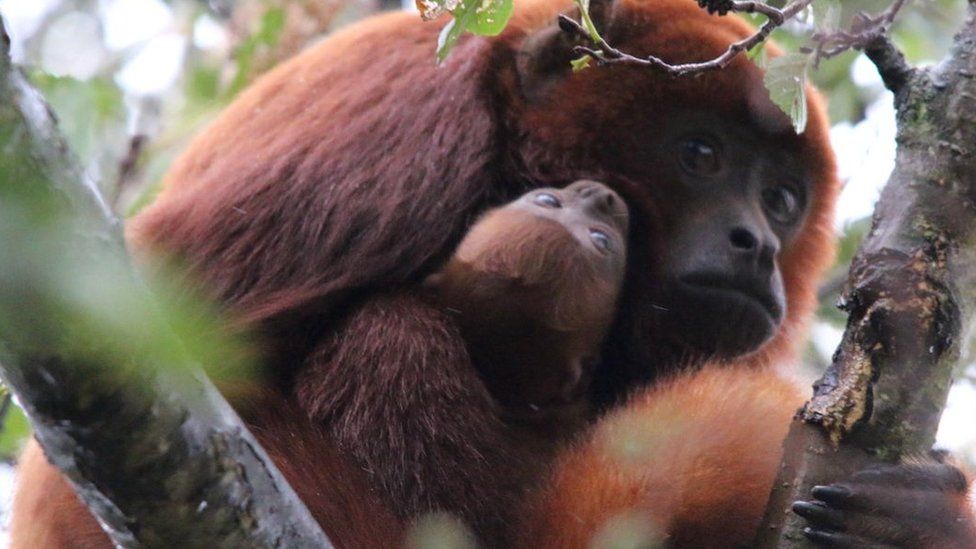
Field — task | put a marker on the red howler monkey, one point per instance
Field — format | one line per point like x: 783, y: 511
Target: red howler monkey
x: 529, y: 296
x: 533, y: 287
x: 318, y: 203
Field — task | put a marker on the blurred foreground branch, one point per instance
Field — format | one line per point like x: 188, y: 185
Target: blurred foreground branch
x: 114, y: 399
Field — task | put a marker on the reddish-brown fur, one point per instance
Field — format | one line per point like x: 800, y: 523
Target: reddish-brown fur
x: 334, y: 489
x: 327, y: 192
x: 396, y: 388
x: 692, y: 459
x: 528, y: 303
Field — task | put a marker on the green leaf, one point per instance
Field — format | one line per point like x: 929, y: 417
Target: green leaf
x: 826, y: 15
x: 267, y: 35
x: 447, y: 38
x: 758, y: 55
x: 491, y: 16
x: 587, y: 21
x: 203, y: 83
x: 581, y: 63
x: 14, y: 431
x: 785, y: 79
x: 272, y: 23
x: 481, y: 17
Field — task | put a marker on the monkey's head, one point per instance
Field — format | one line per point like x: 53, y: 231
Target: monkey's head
x: 534, y: 285
x: 731, y: 208
x: 591, y: 213
x: 554, y: 257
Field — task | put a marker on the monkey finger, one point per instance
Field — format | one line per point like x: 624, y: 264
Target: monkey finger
x: 819, y: 514
x: 838, y: 540
x: 934, y: 476
x: 835, y: 495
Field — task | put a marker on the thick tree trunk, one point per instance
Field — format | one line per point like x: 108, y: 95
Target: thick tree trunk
x: 910, y: 286
x: 151, y: 447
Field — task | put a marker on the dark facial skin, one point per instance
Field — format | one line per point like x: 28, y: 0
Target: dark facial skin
x: 730, y: 212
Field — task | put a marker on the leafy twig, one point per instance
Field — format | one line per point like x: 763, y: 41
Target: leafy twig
x: 865, y: 30
x: 605, y: 54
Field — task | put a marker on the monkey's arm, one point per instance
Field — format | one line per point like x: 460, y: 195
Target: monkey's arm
x: 690, y: 462
x: 395, y: 386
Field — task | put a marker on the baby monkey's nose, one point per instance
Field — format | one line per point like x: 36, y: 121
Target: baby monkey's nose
x: 600, y: 199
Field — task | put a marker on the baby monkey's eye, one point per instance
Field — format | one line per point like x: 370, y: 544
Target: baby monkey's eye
x: 602, y: 240
x: 547, y: 200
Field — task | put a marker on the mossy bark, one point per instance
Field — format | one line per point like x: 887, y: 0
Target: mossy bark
x: 910, y: 287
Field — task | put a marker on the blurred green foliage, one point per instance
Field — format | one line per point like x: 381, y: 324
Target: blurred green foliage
x: 62, y: 297
x: 272, y: 22
x: 629, y: 530
x: 14, y: 429
x: 439, y: 531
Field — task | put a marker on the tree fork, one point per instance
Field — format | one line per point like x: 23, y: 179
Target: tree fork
x: 910, y: 286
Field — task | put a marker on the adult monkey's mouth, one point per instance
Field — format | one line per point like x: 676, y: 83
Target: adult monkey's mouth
x: 737, y: 290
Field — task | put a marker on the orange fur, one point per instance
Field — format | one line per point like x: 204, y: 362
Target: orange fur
x: 693, y: 459
x: 46, y: 511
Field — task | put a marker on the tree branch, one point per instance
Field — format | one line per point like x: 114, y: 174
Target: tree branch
x: 911, y: 284
x: 151, y: 447
x: 605, y: 54
x: 890, y: 61
x: 866, y: 33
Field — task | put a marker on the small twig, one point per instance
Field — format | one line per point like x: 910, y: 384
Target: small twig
x: 605, y: 54
x: 771, y: 13
x: 127, y: 168
x: 5, y: 401
x: 889, y: 14
x: 895, y: 71
x: 865, y: 30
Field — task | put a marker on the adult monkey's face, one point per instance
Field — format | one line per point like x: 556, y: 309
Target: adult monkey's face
x: 739, y: 198
x: 731, y: 209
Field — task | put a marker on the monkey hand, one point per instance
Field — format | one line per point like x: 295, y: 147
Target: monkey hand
x: 914, y: 505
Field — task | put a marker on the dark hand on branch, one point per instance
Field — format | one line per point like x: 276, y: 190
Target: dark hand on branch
x: 915, y: 505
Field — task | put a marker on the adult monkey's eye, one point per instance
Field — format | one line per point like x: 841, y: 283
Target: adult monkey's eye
x: 699, y: 156
x: 547, y: 200
x: 602, y: 240
x: 782, y: 202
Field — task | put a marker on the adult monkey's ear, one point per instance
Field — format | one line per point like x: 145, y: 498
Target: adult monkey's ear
x: 544, y: 58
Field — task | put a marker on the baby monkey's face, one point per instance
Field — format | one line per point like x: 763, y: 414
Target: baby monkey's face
x: 593, y: 213
x: 570, y: 243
